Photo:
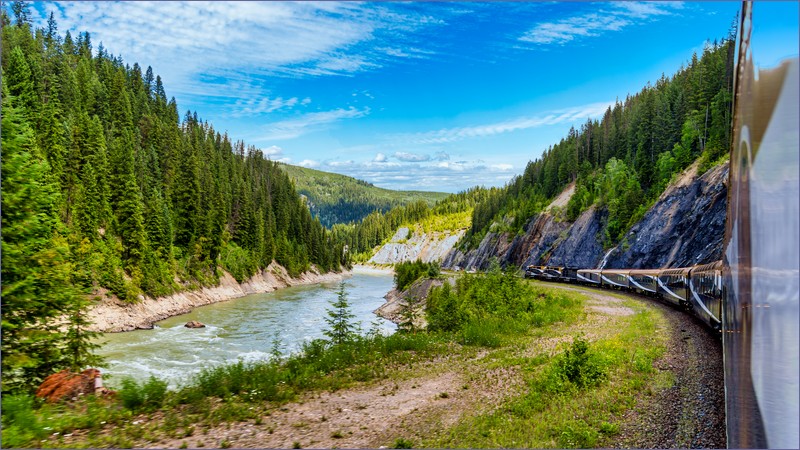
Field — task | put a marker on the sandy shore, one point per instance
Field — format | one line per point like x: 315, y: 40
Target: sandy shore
x: 376, y: 270
x: 113, y: 315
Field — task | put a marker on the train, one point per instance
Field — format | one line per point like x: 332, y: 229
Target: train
x: 751, y: 297
x: 698, y: 290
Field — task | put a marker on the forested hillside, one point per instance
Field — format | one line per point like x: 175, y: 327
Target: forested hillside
x: 623, y: 161
x: 377, y: 227
x: 106, y: 187
x: 335, y: 198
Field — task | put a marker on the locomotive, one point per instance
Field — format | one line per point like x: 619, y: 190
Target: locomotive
x: 752, y: 296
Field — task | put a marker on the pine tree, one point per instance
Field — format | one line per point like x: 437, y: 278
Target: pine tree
x: 19, y: 79
x: 127, y: 201
x: 340, y: 319
x: 37, y: 288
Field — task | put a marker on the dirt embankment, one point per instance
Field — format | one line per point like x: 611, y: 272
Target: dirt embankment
x: 113, y: 315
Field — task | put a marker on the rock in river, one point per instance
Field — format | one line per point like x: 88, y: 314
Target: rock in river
x: 194, y: 324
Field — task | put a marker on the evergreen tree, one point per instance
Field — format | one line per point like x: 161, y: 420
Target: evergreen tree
x: 340, y: 319
x: 37, y: 288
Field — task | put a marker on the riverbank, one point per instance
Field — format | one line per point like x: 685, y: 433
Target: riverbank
x: 112, y: 315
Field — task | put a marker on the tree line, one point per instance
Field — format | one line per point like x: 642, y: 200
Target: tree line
x: 623, y: 161
x: 106, y: 188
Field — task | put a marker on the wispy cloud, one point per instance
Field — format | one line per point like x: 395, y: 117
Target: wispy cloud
x: 187, y: 40
x: 621, y: 15
x: 447, y: 135
x: 292, y: 128
x: 253, y: 106
x: 411, y: 157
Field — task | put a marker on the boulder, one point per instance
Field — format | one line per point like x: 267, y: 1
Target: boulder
x: 194, y: 324
x: 66, y: 385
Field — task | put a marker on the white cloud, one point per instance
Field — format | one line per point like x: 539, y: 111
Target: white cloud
x: 379, y: 158
x: 592, y: 24
x: 272, y: 150
x: 308, y: 163
x: 347, y: 163
x: 292, y: 128
x: 254, y: 106
x: 411, y: 157
x: 447, y: 135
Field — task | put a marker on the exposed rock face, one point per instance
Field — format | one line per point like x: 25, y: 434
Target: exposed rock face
x: 493, y: 245
x: 683, y: 228
x: 422, y: 246
x: 194, y: 324
x: 65, y: 385
x: 580, y: 247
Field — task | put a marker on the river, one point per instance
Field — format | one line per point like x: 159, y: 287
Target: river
x: 245, y: 328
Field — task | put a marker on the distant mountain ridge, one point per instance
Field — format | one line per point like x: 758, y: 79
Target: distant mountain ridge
x: 336, y: 198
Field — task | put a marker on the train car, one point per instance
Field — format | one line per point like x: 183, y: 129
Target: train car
x: 532, y: 272
x: 673, y: 285
x: 616, y: 279
x: 761, y: 262
x: 643, y: 281
x: 569, y: 274
x: 705, y: 286
x: 553, y: 272
x: 589, y: 276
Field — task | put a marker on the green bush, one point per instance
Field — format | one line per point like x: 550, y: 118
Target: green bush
x: 494, y: 303
x: 20, y: 423
x: 484, y: 333
x: 402, y: 443
x: 147, y: 397
x: 580, y: 366
x: 407, y: 272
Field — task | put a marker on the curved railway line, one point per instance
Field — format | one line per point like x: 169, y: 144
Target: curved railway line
x: 751, y: 298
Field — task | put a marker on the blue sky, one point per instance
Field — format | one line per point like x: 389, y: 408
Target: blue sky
x: 431, y: 96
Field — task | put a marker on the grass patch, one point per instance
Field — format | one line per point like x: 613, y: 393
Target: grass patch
x: 572, y: 399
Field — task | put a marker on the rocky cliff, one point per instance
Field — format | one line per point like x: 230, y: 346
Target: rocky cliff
x: 411, y: 246
x: 684, y: 227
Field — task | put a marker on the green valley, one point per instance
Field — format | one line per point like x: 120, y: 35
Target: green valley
x: 335, y: 198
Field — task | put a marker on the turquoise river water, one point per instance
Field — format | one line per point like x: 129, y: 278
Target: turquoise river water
x: 244, y: 328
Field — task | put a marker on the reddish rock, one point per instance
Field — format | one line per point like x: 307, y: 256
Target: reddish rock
x: 66, y: 385
x: 194, y: 324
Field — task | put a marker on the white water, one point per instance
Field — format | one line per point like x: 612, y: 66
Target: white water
x: 240, y: 329
x: 605, y: 258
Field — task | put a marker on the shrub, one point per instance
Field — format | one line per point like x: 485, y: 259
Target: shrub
x: 402, y: 443
x: 20, y: 424
x: 580, y: 366
x: 495, y: 303
x: 237, y: 261
x: 149, y: 396
x: 407, y: 272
